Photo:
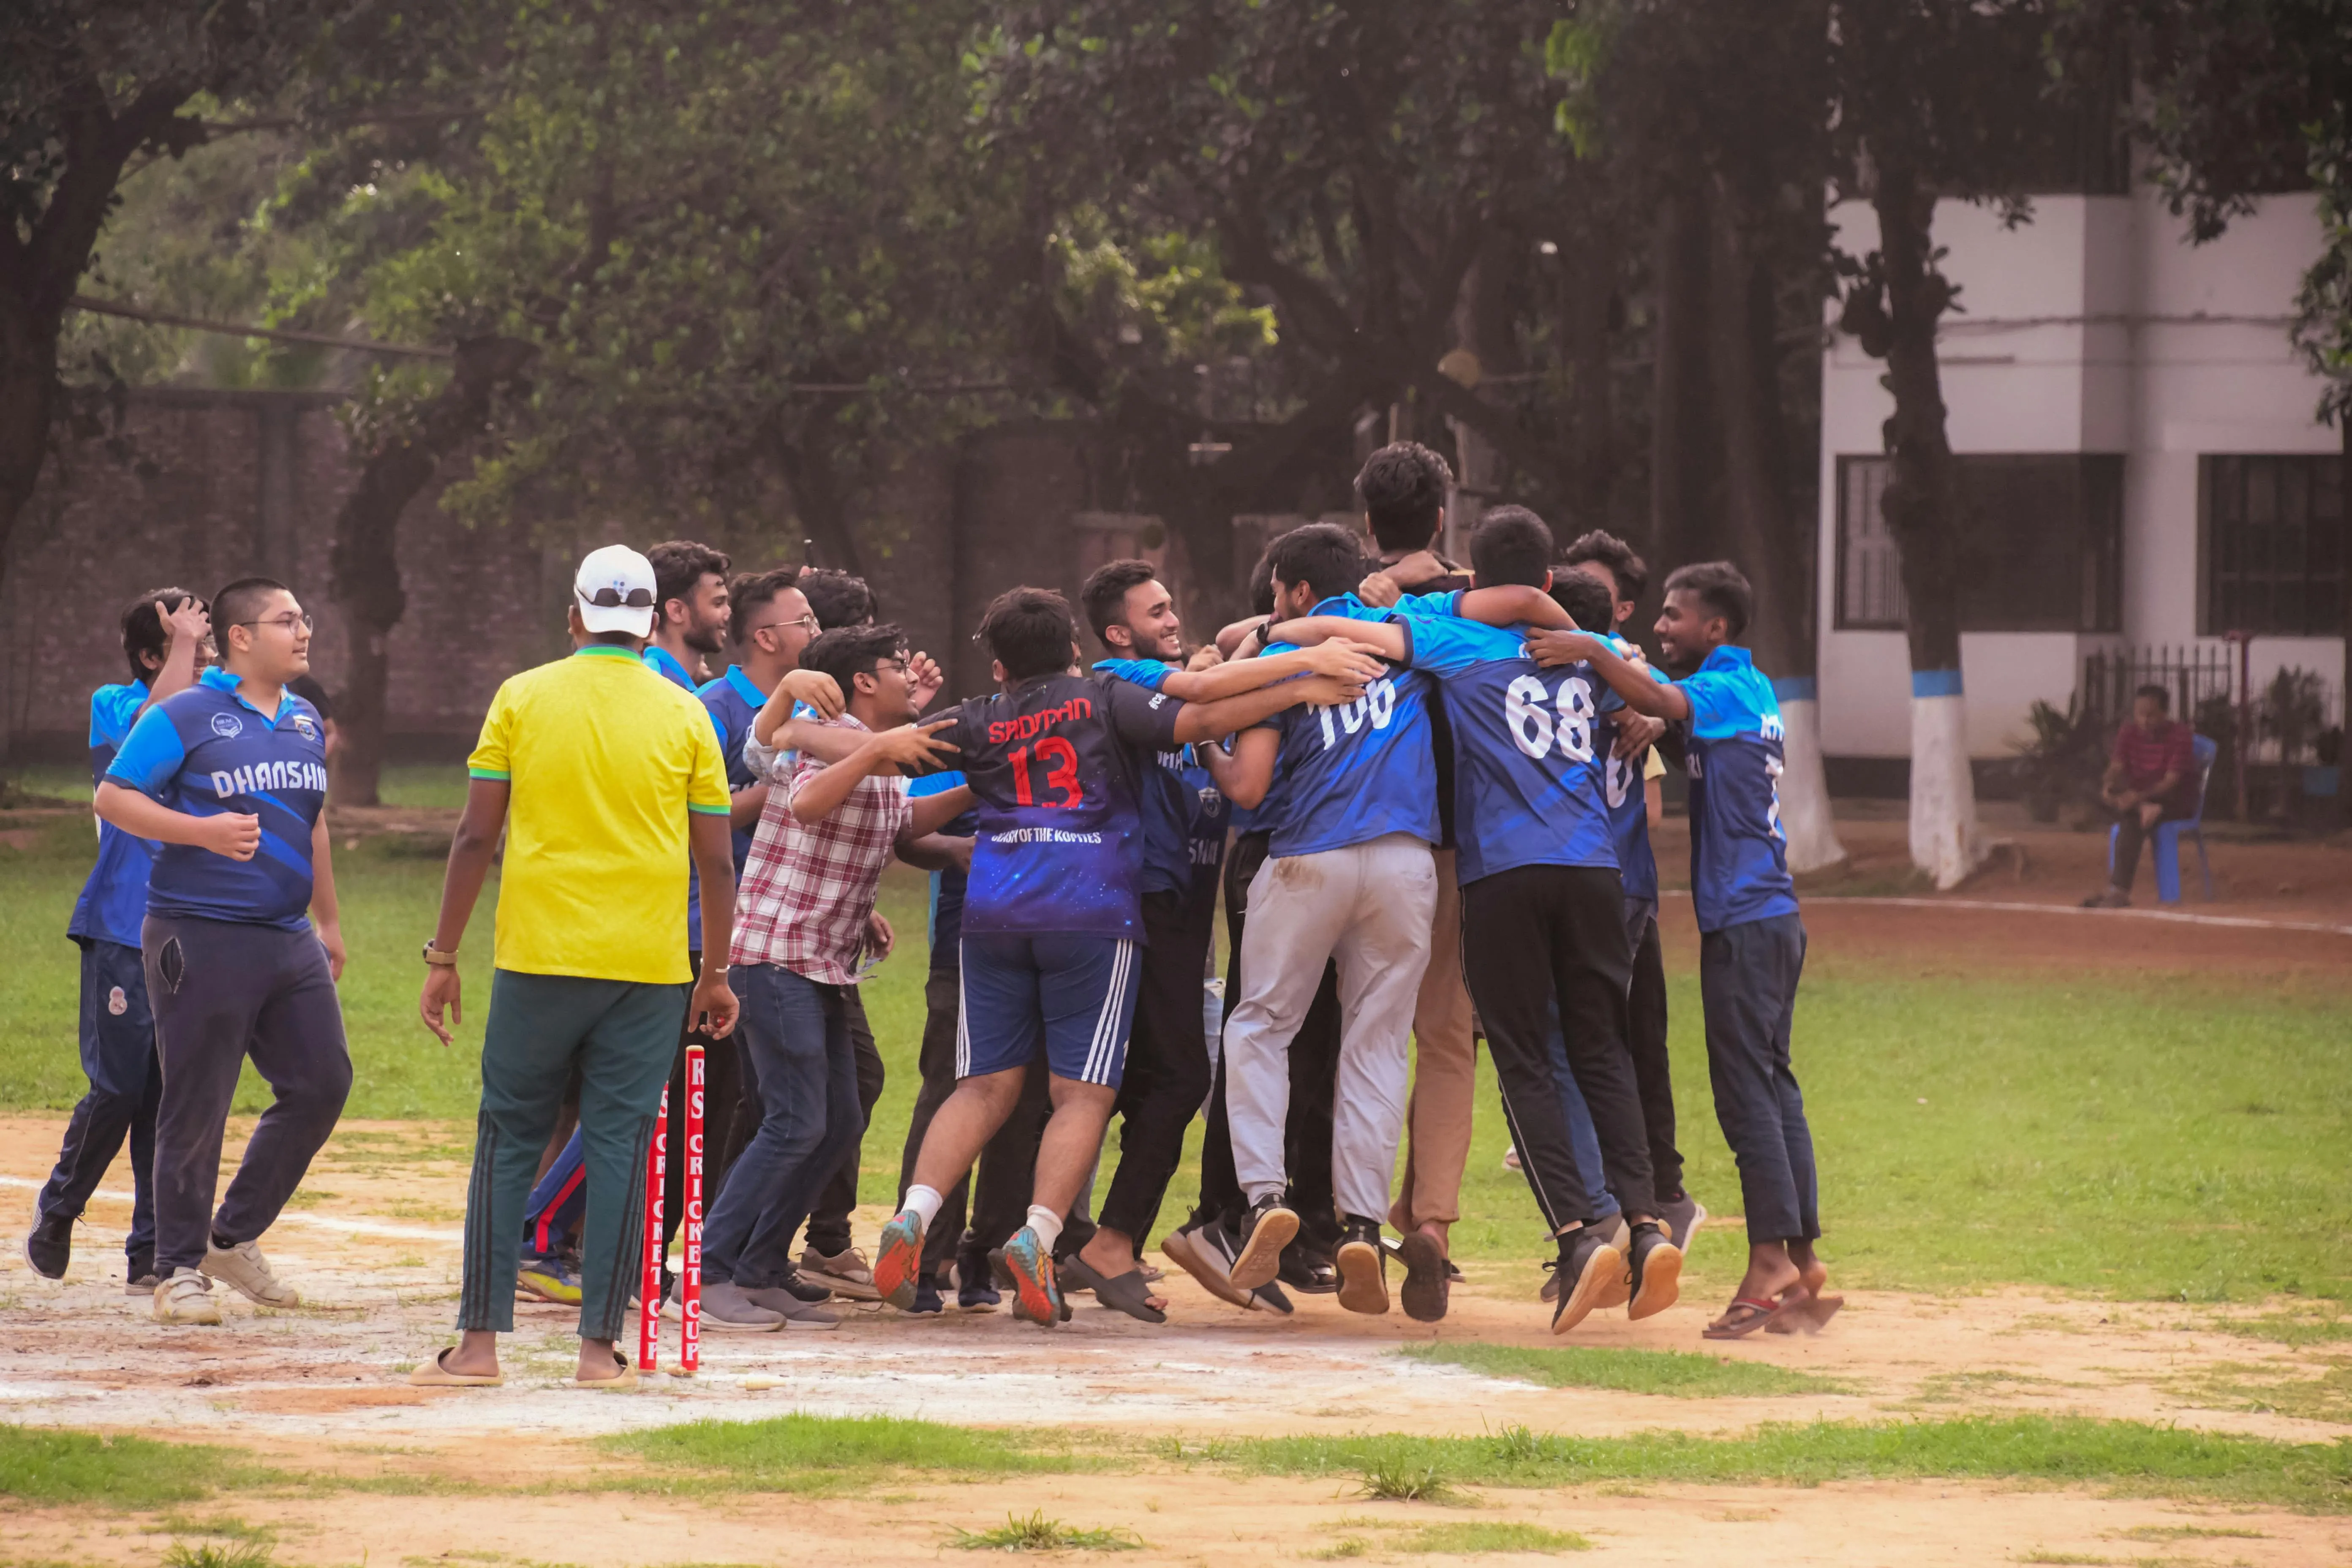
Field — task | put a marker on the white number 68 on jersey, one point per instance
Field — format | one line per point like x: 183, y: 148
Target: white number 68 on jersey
x: 1524, y: 702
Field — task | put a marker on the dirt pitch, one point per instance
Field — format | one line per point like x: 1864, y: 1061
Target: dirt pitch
x: 320, y: 1389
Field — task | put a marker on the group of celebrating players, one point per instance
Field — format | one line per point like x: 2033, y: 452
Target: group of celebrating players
x: 1424, y: 795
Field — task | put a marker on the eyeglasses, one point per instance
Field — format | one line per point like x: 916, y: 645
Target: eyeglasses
x: 808, y: 621
x: 286, y: 623
x: 613, y: 599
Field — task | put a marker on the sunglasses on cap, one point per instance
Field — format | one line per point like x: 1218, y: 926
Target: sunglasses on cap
x: 613, y: 599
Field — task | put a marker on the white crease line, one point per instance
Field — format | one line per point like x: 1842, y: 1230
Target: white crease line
x: 318, y: 1222
x: 2181, y: 917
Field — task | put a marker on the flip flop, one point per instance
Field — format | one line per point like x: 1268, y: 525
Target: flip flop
x: 436, y: 1373
x: 622, y: 1383
x: 1749, y: 1313
x: 1127, y: 1292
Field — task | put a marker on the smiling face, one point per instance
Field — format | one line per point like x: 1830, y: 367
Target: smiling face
x: 1152, y: 622
x: 889, y: 693
x: 702, y: 616
x: 1687, y: 632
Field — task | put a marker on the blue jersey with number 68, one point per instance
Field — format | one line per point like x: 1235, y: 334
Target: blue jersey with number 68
x: 1528, y: 787
x: 1739, y: 862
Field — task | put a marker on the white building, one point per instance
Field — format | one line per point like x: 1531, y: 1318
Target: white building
x: 2142, y: 453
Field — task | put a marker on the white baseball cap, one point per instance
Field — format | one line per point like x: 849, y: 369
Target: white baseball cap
x: 615, y: 591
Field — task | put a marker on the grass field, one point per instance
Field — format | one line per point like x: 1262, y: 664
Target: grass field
x: 2172, y: 1136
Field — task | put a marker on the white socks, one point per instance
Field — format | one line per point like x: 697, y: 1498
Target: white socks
x: 1047, y: 1223
x: 924, y: 1204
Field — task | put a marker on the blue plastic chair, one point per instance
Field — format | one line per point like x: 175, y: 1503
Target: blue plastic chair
x: 2165, y: 849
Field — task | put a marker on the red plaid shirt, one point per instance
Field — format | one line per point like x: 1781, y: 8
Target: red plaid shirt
x: 807, y: 891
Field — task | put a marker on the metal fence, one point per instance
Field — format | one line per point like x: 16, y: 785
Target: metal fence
x: 2192, y: 673
x: 2284, y: 719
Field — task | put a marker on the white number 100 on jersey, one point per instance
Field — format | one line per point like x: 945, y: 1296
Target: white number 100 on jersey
x: 1377, y: 705
x: 1524, y: 704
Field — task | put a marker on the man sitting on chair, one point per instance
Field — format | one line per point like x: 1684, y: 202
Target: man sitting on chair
x: 2151, y: 778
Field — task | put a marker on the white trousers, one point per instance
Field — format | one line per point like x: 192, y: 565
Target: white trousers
x: 1368, y: 906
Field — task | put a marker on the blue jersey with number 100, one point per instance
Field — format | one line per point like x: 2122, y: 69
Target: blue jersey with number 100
x: 1526, y: 748
x: 1358, y: 772
x: 1739, y: 862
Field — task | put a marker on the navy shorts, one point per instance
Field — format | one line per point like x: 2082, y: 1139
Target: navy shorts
x: 1078, y: 991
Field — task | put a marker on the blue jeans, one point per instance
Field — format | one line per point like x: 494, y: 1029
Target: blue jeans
x: 118, y: 1056
x: 801, y: 1069
x: 1583, y: 1140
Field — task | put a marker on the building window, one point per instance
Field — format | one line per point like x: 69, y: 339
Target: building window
x: 2271, y: 545
x: 2041, y: 544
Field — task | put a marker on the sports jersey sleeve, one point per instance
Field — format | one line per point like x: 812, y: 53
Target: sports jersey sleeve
x: 1448, y: 603
x: 1148, y: 673
x: 113, y: 710
x: 493, y: 757
x: 1445, y: 645
x: 1141, y: 718
x: 150, y: 755
x: 1717, y: 706
x: 705, y: 792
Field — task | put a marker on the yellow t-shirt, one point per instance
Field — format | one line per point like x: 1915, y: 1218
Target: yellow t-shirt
x: 1653, y: 765
x: 605, y: 760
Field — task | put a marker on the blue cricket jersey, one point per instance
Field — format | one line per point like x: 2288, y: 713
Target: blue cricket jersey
x: 734, y: 703
x: 1358, y: 772
x: 114, y: 899
x: 1184, y: 813
x: 206, y: 751
x: 1628, y: 799
x: 1527, y: 787
x: 1739, y: 863
x: 946, y: 923
x: 1057, y: 793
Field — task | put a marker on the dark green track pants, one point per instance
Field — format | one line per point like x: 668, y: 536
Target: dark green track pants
x: 621, y: 1035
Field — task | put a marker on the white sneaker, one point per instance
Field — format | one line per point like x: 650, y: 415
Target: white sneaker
x: 186, y: 1298
x: 244, y: 1270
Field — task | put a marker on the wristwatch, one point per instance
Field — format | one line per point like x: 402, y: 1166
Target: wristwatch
x: 434, y: 955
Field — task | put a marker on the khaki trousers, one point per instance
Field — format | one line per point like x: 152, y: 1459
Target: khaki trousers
x: 1445, y: 1072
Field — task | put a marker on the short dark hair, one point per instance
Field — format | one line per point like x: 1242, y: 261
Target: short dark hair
x: 839, y: 599
x: 234, y: 605
x: 142, y: 628
x: 847, y: 652
x: 1105, y: 594
x: 1323, y: 555
x: 1633, y: 573
x: 1721, y: 587
x: 678, y: 565
x: 1260, y: 582
x: 753, y: 589
x: 1511, y: 546
x: 1584, y: 594
x: 2163, y: 697
x: 1402, y: 487
x: 1029, y: 632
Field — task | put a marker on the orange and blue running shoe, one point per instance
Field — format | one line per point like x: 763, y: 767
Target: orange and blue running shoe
x: 1036, y: 1293
x: 899, y: 1260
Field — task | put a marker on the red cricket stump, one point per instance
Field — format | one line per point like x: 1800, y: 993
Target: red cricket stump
x: 649, y: 1299
x: 690, y: 1345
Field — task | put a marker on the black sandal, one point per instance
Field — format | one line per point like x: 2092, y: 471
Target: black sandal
x: 1129, y: 1292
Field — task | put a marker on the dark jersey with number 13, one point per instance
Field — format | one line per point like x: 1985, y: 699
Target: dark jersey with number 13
x: 1056, y: 785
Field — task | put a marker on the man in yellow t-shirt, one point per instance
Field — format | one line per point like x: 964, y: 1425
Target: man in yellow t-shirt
x: 604, y: 777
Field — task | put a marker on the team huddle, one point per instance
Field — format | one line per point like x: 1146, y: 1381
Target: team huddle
x: 1423, y: 797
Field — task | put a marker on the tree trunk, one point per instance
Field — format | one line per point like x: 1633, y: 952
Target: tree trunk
x: 1683, y: 435
x: 364, y: 564
x: 28, y: 388
x: 1584, y: 316
x: 1766, y: 534
x: 1923, y: 511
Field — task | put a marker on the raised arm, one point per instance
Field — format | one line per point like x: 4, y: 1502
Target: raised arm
x: 818, y: 795
x: 933, y: 812
x: 1330, y: 658
x: 1514, y: 604
x: 1385, y: 638
x: 821, y: 693
x: 1214, y: 720
x: 1643, y: 693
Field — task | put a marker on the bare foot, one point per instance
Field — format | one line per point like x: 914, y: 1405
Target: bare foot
x: 477, y: 1355
x: 1770, y: 1272
x: 1436, y: 1229
x: 597, y: 1362
x: 1110, y: 1254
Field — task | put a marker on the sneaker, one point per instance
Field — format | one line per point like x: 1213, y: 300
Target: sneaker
x: 138, y: 1275
x: 928, y: 1300
x: 1036, y: 1294
x: 1614, y: 1294
x: 549, y: 1280
x: 1269, y: 1298
x: 1654, y: 1271
x: 1426, y: 1286
x: 845, y: 1273
x: 244, y: 1270
x: 1363, y: 1274
x: 1682, y: 1216
x: 1272, y: 1223
x: 186, y: 1298
x: 899, y: 1260
x: 48, y: 1246
x: 1205, y: 1251
x: 804, y: 1288
x: 1586, y: 1263
x: 1308, y: 1270
x: 2108, y: 899
x: 976, y: 1291
x: 729, y: 1309
x: 797, y: 1313
x: 1511, y: 1157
